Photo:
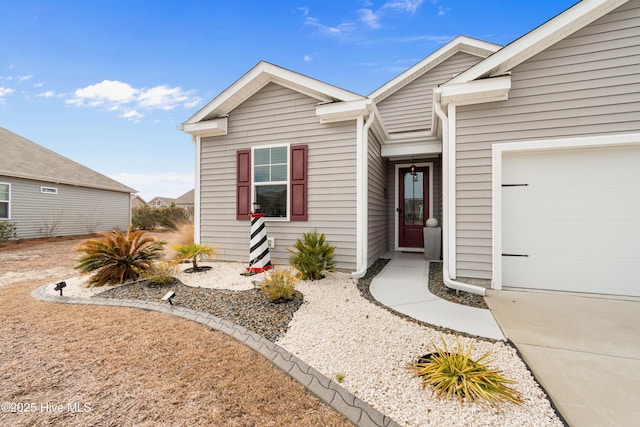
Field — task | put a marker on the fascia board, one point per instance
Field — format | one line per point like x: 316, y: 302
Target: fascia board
x: 476, y: 92
x: 534, y: 42
x: 459, y: 44
x: 342, y: 111
x: 260, y: 76
x: 214, y: 127
x: 415, y: 148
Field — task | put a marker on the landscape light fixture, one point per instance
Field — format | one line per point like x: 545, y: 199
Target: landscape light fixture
x: 59, y: 287
x: 168, y: 297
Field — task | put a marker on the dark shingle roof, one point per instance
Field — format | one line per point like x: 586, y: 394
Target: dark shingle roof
x: 22, y: 158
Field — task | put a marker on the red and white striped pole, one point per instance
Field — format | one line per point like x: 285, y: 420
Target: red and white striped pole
x: 260, y: 260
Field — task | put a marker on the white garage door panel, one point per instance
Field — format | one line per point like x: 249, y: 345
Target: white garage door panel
x: 577, y: 220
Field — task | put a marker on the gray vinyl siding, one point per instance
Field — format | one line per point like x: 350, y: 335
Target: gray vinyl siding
x: 586, y: 84
x: 278, y: 115
x: 410, y: 108
x: 72, y: 211
x: 378, y: 202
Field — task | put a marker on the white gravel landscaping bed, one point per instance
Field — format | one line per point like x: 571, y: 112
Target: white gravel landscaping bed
x: 338, y: 332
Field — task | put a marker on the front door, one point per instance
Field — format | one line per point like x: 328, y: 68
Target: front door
x: 413, y: 206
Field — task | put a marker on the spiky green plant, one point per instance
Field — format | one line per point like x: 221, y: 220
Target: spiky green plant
x: 193, y: 251
x: 279, y: 284
x: 313, y: 257
x: 117, y: 257
x: 454, y: 373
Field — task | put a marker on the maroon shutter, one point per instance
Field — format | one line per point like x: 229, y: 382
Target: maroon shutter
x: 298, y: 183
x: 243, y: 182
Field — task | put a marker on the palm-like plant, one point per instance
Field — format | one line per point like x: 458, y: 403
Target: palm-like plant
x: 118, y: 257
x: 193, y: 251
x: 313, y: 256
x: 455, y: 374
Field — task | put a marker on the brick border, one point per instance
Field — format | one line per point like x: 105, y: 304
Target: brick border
x: 342, y: 401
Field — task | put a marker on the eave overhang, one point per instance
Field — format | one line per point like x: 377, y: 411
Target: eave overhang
x: 475, y: 92
x: 212, y: 127
x: 343, y: 111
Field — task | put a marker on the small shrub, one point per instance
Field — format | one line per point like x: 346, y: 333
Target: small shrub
x: 455, y: 374
x: 279, y: 285
x: 193, y: 251
x: 172, y: 217
x: 339, y: 378
x: 145, y: 217
x: 313, y: 257
x: 118, y: 257
x: 161, y: 273
x: 8, y: 231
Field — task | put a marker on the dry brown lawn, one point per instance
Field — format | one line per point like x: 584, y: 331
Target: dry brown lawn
x: 122, y: 366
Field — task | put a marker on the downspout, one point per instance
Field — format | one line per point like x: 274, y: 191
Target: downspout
x: 449, y: 186
x: 362, y: 196
x: 196, y: 193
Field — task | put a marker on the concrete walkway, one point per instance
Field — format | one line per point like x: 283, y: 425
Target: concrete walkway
x: 403, y: 286
x: 583, y: 349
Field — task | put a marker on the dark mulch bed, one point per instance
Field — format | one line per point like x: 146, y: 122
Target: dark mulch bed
x: 438, y: 288
x: 250, y: 308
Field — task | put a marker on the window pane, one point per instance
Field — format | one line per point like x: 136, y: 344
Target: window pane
x: 261, y: 174
x: 4, y: 210
x: 413, y: 198
x: 4, y: 192
x: 273, y: 200
x: 261, y: 156
x: 279, y: 173
x: 278, y: 155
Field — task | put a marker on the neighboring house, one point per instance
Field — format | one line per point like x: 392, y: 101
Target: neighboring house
x: 528, y: 155
x: 161, y: 202
x: 186, y: 201
x: 137, y: 201
x: 46, y: 194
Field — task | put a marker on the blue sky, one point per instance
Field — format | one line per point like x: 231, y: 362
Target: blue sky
x: 106, y: 83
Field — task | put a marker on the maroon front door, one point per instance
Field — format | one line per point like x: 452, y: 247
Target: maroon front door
x: 413, y: 206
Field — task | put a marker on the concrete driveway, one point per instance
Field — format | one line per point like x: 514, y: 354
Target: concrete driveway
x: 584, y: 349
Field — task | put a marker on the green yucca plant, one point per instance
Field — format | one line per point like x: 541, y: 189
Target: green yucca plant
x: 455, y: 374
x: 313, y: 256
x: 279, y: 284
x: 193, y: 251
x: 118, y: 257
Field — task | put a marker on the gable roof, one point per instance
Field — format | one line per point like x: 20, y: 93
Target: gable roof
x: 22, y: 158
x: 186, y: 198
x: 539, y: 39
x: 257, y: 78
x: 464, y: 44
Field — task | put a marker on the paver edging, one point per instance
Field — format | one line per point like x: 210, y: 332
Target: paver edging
x: 328, y: 391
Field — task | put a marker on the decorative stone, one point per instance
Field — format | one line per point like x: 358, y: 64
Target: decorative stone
x: 432, y: 222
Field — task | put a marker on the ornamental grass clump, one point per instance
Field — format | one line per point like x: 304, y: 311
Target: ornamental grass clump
x: 456, y: 374
x: 314, y: 256
x: 161, y: 273
x: 118, y: 257
x: 279, y: 284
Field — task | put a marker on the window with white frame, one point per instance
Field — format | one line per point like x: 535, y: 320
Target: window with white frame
x: 48, y: 190
x: 271, y: 180
x: 5, y: 200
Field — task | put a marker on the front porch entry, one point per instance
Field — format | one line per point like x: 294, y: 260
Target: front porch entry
x: 414, y: 204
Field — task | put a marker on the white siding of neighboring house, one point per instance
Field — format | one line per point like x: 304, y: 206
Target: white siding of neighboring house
x: 72, y: 211
x: 410, y: 108
x: 378, y: 202
x: 278, y: 115
x: 586, y: 84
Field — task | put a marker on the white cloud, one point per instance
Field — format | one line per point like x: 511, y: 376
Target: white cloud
x: 346, y: 27
x: 150, y: 185
x: 404, y: 5
x: 4, y: 91
x: 115, y: 95
x: 50, y: 94
x: 308, y: 58
x: 370, y: 18
x: 24, y: 78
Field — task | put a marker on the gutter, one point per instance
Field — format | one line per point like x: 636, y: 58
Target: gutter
x: 449, y: 187
x: 362, y: 196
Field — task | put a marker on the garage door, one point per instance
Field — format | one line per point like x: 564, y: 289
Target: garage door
x: 571, y: 220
